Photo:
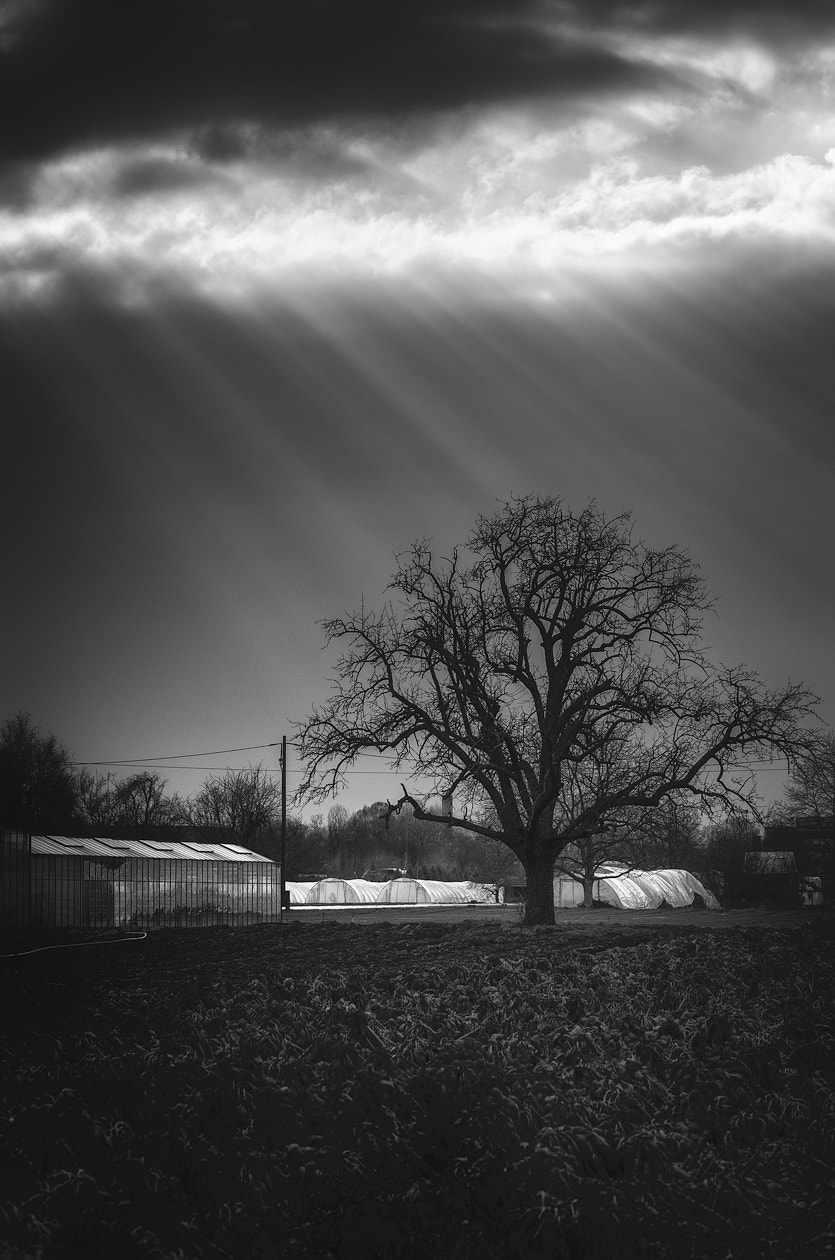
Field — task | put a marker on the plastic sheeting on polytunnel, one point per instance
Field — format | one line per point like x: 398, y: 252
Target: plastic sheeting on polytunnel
x: 298, y: 891
x: 341, y: 892
x: 646, y: 890
x: 661, y: 886
x: 686, y: 886
x: 482, y: 894
x: 423, y: 892
x: 615, y: 888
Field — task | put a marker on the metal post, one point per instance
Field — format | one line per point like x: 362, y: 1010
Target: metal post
x: 283, y: 852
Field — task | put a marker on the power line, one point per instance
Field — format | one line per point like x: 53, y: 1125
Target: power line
x: 774, y: 763
x: 757, y: 768
x: 214, y: 752
x: 264, y: 769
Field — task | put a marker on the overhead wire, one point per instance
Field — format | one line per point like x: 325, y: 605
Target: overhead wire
x: 760, y: 764
x: 214, y: 752
x: 264, y: 769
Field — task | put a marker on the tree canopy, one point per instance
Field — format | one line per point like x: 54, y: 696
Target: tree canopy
x: 139, y: 800
x: 242, y: 802
x: 551, y: 681
x: 38, y: 787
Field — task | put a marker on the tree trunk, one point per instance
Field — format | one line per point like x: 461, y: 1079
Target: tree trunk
x: 539, y: 878
x: 588, y: 890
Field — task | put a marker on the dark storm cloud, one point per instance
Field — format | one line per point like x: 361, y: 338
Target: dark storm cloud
x: 311, y: 154
x: 151, y: 176
x: 15, y: 187
x: 762, y: 18
x: 92, y: 71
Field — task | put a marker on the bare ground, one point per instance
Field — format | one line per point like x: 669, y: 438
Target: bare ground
x: 592, y: 927
x: 597, y: 920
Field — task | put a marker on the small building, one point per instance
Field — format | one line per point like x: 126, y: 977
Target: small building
x: 102, y: 882
x: 812, y: 842
x: 770, y: 877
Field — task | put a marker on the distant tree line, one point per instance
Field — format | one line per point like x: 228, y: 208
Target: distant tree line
x: 41, y: 790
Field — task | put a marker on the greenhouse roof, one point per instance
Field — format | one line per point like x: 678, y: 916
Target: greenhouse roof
x: 170, y: 850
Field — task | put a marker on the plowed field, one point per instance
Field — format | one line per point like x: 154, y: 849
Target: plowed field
x: 612, y: 1087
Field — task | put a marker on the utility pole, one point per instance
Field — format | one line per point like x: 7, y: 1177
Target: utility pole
x: 283, y: 850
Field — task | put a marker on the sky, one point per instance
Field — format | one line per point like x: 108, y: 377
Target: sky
x: 284, y: 287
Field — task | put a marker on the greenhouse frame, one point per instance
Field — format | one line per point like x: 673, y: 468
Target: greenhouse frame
x: 100, y: 882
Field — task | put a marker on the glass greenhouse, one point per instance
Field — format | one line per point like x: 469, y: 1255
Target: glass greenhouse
x: 95, y: 881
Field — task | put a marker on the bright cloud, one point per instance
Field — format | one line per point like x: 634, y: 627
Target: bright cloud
x: 752, y: 67
x: 512, y: 192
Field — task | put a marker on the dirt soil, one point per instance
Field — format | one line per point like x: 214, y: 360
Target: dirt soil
x: 600, y: 927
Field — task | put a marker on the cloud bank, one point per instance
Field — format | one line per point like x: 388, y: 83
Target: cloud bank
x: 228, y: 146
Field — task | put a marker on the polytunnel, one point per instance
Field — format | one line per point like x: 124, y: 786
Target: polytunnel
x: 482, y: 894
x: 620, y: 890
x: 660, y: 886
x: 340, y: 892
x: 298, y: 891
x: 645, y: 890
x: 685, y: 887
x: 423, y: 892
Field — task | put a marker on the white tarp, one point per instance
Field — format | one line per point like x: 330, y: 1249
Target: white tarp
x: 662, y: 886
x: 618, y: 889
x: 645, y: 890
x: 689, y: 886
x: 616, y: 885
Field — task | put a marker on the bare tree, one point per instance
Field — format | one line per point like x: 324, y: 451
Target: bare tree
x: 338, y: 836
x: 97, y: 799
x: 635, y: 836
x: 670, y: 836
x: 139, y: 800
x: 808, y: 809
x: 239, y: 802
x: 603, y: 774
x: 811, y: 790
x: 499, y: 680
